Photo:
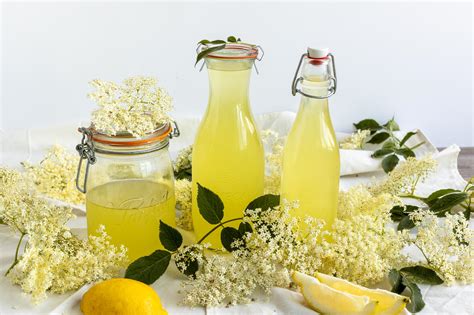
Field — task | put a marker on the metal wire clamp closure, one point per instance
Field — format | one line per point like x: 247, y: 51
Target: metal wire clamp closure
x: 332, y: 78
x: 259, y: 58
x: 86, y: 152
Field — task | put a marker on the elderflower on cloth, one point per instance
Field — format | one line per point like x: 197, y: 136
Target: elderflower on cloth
x: 449, y: 300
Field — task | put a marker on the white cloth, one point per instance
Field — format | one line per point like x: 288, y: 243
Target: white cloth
x: 356, y: 167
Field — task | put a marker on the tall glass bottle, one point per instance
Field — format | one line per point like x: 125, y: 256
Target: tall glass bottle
x: 311, y: 154
x: 228, y: 154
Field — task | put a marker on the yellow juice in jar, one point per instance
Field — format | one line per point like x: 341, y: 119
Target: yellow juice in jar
x: 228, y: 153
x: 311, y: 159
x: 131, y: 211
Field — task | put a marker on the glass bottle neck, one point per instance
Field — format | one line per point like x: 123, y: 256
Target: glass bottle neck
x: 229, y: 82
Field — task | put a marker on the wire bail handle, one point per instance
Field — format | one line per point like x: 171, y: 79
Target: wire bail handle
x: 86, y: 152
x: 332, y: 78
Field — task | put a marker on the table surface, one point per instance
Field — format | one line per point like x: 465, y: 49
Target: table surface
x: 466, y: 162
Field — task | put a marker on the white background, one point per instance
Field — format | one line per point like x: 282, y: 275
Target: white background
x: 411, y: 60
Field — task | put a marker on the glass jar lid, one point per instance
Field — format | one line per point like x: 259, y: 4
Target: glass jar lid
x: 234, y: 51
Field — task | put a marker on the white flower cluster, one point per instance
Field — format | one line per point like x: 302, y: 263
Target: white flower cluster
x: 355, y: 141
x: 55, y: 175
x: 446, y: 243
x: 54, y: 259
x: 138, y: 106
x: 184, y: 217
x: 273, y: 160
x: 405, y: 177
x: 183, y: 161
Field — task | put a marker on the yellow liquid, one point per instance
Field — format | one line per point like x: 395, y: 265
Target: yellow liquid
x: 228, y: 153
x: 131, y: 211
x: 311, y: 161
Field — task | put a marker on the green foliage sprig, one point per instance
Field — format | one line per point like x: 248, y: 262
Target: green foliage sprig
x: 391, y: 146
x: 150, y: 268
x: 214, y: 45
x: 408, y: 278
x: 439, y: 202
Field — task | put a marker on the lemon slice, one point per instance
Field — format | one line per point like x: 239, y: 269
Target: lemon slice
x: 388, y: 303
x: 327, y: 300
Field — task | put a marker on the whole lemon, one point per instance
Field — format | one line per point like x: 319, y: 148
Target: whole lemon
x: 121, y: 297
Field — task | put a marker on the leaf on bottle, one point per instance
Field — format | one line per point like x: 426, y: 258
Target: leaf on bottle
x: 245, y: 227
x: 228, y: 236
x: 379, y: 137
x: 170, y: 238
x: 421, y: 274
x: 207, y: 51
x: 416, y: 299
x: 368, y: 124
x: 405, y: 152
x: 447, y: 202
x: 389, y: 162
x: 406, y: 223
x: 392, y: 125
x: 406, y: 137
x: 382, y: 152
x: 264, y: 202
x: 148, y: 269
x: 395, y: 279
x: 232, y: 39
x: 210, y: 205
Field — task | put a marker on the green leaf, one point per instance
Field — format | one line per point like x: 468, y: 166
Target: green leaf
x: 406, y: 137
x: 395, y: 279
x: 228, y: 236
x: 264, y: 202
x: 382, y: 152
x: 405, y: 152
x: 416, y: 299
x: 379, y: 137
x: 184, y: 174
x: 392, y: 125
x: 446, y: 202
x: 204, y: 42
x: 367, y: 124
x: 191, y: 264
x: 437, y: 194
x: 232, y: 39
x: 245, y: 227
x: 149, y: 268
x: 210, y: 205
x: 422, y: 275
x: 406, y: 223
x: 170, y: 238
x: 207, y: 51
x: 389, y: 162
x: 390, y: 145
x: 397, y: 213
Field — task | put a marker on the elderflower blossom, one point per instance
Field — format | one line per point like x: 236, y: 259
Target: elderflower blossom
x: 183, y: 163
x: 138, y: 106
x: 273, y: 160
x: 184, y: 217
x: 446, y: 243
x: 55, y: 175
x: 404, y: 178
x: 355, y: 141
x: 55, y: 260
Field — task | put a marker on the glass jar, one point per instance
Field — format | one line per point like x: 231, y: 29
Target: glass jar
x: 228, y: 153
x: 129, y: 186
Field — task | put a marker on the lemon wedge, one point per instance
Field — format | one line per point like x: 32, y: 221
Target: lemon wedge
x: 388, y: 303
x: 327, y: 300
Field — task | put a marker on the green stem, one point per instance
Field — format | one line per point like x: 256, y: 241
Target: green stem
x: 221, y: 224
x: 426, y: 257
x: 412, y: 196
x: 418, y: 145
x: 16, y: 254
